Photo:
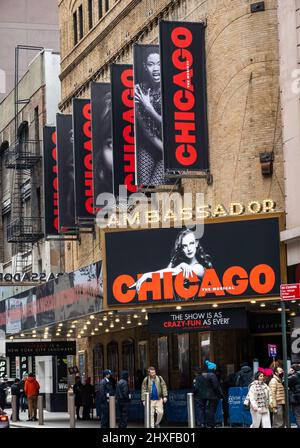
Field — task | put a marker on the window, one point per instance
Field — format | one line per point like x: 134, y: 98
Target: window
x: 162, y: 357
x: 80, y: 22
x: 113, y: 358
x: 98, y: 363
x: 100, y: 9
x: 184, y: 360
x: 75, y: 35
x: 36, y: 124
x: 106, y: 5
x: 204, y: 347
x: 7, y: 249
x: 90, y: 8
x: 128, y: 360
x: 39, y: 202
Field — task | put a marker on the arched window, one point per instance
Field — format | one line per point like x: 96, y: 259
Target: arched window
x: 98, y: 363
x: 113, y: 358
x: 128, y: 360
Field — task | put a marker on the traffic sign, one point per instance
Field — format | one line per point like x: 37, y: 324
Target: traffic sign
x: 290, y: 291
x: 272, y: 350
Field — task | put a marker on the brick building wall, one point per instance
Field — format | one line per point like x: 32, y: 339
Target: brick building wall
x: 242, y: 89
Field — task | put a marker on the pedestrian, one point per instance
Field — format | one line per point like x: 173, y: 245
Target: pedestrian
x: 278, y: 398
x: 123, y: 396
x: 87, y: 396
x: 156, y: 386
x: 208, y: 392
x: 32, y: 388
x: 3, y: 387
x: 77, y: 389
x: 15, y: 390
x: 104, y: 392
x: 244, y: 376
x: 294, y: 391
x: 23, y: 401
x: 260, y: 401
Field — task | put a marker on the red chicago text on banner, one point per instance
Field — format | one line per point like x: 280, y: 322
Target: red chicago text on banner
x: 54, y: 183
x: 183, y: 98
x: 235, y: 281
x: 88, y: 165
x: 128, y: 130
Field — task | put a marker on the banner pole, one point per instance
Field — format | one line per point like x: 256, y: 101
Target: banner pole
x: 285, y: 366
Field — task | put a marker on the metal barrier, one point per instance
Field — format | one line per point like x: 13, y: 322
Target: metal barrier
x: 191, y: 410
x: 14, y: 407
x: 147, y: 411
x: 41, y: 409
x: 71, y: 407
x: 112, y: 411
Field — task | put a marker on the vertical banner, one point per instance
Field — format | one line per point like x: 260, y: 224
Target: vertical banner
x: 50, y: 181
x: 83, y: 167
x: 65, y: 172
x: 148, y: 119
x: 122, y: 88
x: 295, y: 340
x: 184, y: 111
x: 102, y: 152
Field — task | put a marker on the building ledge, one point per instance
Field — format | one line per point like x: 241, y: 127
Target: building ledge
x: 290, y: 235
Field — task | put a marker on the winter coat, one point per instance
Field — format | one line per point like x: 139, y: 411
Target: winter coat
x: 207, y: 387
x: 105, y: 390
x: 260, y: 397
x: 15, y: 389
x: 77, y: 388
x: 244, y: 377
x: 277, y: 391
x: 122, y: 391
x: 87, y: 395
x: 294, y: 388
x: 3, y: 388
x: 161, y: 387
x: 32, y: 387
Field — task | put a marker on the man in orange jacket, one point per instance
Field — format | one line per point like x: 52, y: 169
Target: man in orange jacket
x: 31, y: 390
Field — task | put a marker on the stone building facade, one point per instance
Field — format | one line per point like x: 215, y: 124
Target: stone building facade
x: 244, y: 111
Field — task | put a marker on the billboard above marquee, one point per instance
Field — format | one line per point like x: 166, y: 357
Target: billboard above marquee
x: 233, y: 259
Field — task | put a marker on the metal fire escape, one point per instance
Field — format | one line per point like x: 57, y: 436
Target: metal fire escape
x: 21, y: 157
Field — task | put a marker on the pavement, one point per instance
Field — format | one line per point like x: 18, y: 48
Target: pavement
x: 62, y: 420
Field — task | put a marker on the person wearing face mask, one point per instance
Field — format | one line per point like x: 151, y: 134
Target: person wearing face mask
x: 278, y: 397
x: 260, y: 400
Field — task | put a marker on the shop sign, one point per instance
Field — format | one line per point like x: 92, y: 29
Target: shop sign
x: 290, y: 291
x: 61, y: 374
x: 41, y: 348
x: 237, y: 259
x: 3, y: 368
x: 197, y: 320
x: 272, y: 350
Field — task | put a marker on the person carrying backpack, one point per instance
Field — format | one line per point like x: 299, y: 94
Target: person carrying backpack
x: 156, y: 386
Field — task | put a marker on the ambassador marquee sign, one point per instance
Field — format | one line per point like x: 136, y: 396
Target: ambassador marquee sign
x: 33, y: 277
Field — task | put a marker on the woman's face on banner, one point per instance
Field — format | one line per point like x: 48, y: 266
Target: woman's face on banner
x: 189, y: 245
x: 107, y: 153
x: 153, y: 67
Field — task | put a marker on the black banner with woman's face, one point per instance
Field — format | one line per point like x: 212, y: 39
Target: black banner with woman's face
x: 148, y: 120
x: 233, y: 259
x: 185, y: 134
x: 101, y: 139
x: 123, y: 127
x: 82, y: 146
x: 50, y: 181
x: 65, y: 170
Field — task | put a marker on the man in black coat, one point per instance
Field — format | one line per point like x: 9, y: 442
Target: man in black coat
x: 105, y: 390
x: 244, y: 376
x: 207, y: 392
x: 3, y: 388
x: 294, y: 391
x: 77, y: 389
x: 123, y: 397
x: 15, y: 390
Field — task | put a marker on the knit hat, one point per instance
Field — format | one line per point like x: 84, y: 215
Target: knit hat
x: 124, y: 375
x: 107, y: 372
x: 210, y: 365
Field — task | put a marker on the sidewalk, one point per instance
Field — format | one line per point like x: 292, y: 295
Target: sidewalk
x: 62, y: 420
